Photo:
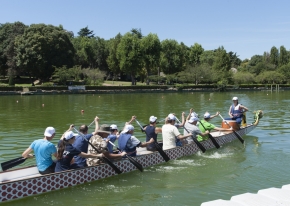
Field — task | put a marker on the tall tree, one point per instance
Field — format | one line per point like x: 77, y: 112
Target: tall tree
x: 274, y: 56
x: 85, y: 32
x: 234, y: 59
x: 85, y: 53
x: 222, y: 65
x: 112, y: 60
x: 41, y: 47
x: 8, y: 34
x: 137, y: 32
x: 195, y: 52
x: 101, y: 51
x: 283, y: 57
x: 130, y: 55
x: 207, y: 57
x: 151, y: 47
x: 170, y: 59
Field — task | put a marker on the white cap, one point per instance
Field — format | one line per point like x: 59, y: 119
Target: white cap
x: 49, y: 131
x: 171, y: 117
x: 113, y: 126
x: 193, y: 114
x: 193, y: 119
x: 152, y: 119
x: 69, y: 135
x: 128, y: 128
x: 235, y: 98
x: 206, y: 115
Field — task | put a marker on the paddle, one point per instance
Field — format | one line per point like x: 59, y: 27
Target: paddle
x: 200, y: 146
x: 117, y: 170
x: 158, y: 148
x: 134, y: 162
x: 237, y: 135
x: 211, y: 137
x: 12, y: 163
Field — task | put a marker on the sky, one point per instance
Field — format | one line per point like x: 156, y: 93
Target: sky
x: 242, y: 26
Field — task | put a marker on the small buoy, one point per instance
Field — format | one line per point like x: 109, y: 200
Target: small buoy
x: 209, y: 99
x: 267, y: 94
x: 99, y: 96
x: 82, y: 111
x: 43, y: 105
x: 17, y: 101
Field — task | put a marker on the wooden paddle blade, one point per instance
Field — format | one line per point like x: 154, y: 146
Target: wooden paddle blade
x: 239, y: 137
x: 161, y: 152
x: 214, y: 141
x: 134, y: 162
x: 117, y: 170
x: 9, y: 164
x: 200, y: 146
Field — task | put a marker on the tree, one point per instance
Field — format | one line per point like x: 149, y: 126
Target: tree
x: 170, y: 57
x: 112, y: 60
x: 41, y: 47
x: 244, y: 78
x: 101, y: 51
x: 94, y: 75
x: 195, y: 52
x: 285, y: 71
x: 283, y: 57
x: 207, y: 57
x: 63, y: 74
x: 234, y: 59
x: 270, y: 77
x: 8, y: 34
x: 130, y: 55
x: 137, y: 32
x: 151, y: 48
x: 222, y: 65
x: 85, y: 32
x: 274, y: 56
x: 85, y: 53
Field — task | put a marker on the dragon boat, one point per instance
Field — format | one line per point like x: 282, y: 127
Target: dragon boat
x: 23, y: 182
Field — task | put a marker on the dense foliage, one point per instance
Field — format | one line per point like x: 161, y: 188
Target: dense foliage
x: 48, y: 52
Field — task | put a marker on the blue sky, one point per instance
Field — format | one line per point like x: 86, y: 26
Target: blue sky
x: 245, y: 27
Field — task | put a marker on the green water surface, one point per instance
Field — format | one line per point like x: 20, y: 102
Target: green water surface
x: 234, y: 169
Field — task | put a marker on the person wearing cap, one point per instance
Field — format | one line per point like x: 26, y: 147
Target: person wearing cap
x: 170, y: 133
x: 236, y: 111
x: 151, y: 132
x: 81, y: 144
x: 205, y: 125
x: 66, y: 152
x: 128, y: 143
x: 43, y: 150
x: 191, y: 127
x: 113, y: 136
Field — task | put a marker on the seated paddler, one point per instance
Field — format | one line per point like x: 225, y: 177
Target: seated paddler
x: 236, y: 111
x: 128, y: 143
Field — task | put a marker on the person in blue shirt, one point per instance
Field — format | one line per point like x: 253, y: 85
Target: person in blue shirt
x: 66, y: 152
x: 43, y: 150
x: 113, y: 136
x: 82, y: 144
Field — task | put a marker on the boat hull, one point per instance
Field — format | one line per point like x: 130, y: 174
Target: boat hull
x: 14, y: 186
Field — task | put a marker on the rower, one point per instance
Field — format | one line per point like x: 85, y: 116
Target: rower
x: 128, y: 143
x: 43, y: 150
x: 151, y: 132
x: 205, y: 125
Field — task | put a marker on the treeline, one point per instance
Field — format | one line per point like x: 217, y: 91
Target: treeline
x: 45, y: 51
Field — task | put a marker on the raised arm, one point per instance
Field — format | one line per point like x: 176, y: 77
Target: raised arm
x: 212, y: 116
x: 69, y: 129
x: 96, y: 125
x: 189, y: 115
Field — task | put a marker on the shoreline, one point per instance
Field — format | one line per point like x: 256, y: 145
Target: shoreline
x: 129, y: 90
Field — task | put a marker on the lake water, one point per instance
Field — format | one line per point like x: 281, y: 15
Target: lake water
x: 262, y: 162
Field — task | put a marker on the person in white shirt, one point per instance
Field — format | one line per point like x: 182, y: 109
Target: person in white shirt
x: 169, y: 132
